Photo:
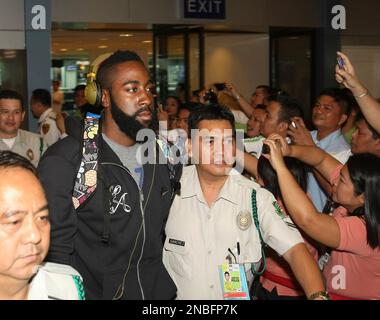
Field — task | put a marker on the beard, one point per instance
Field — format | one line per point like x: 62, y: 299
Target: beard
x: 128, y: 124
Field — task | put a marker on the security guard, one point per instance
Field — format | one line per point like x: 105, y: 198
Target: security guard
x: 26, y: 144
x: 40, y: 104
x: 212, y: 222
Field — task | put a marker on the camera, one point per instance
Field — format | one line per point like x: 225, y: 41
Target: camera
x: 220, y: 86
x: 211, y: 97
x: 265, y: 149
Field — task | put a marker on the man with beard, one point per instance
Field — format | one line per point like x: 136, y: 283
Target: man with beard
x: 114, y: 238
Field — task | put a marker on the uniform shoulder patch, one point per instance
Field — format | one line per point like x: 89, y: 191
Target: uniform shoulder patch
x: 45, y: 128
x: 278, y: 210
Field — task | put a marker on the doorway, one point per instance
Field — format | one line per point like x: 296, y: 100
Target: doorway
x: 178, y: 60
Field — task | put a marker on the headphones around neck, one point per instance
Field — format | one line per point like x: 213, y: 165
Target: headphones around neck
x: 93, y: 91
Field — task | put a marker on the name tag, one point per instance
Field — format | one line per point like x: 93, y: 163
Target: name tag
x: 177, y: 242
x: 233, y: 282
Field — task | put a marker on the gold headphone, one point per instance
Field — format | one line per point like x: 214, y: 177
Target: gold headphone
x: 93, y: 91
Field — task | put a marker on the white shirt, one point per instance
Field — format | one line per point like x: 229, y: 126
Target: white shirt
x: 254, y: 146
x: 55, y: 282
x: 336, y: 146
x: 48, y: 127
x: 198, y: 237
x: 239, y: 116
x: 9, y: 142
x: 27, y: 144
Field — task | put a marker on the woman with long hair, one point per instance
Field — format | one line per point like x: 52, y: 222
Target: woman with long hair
x: 278, y: 281
x: 353, y: 230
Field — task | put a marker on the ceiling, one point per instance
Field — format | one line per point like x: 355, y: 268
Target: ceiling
x: 91, y: 43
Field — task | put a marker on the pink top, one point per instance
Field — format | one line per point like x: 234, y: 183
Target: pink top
x: 354, y: 267
x: 279, y: 267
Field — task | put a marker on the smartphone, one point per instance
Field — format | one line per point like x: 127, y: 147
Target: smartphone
x: 340, y: 63
x: 220, y: 86
x: 265, y: 149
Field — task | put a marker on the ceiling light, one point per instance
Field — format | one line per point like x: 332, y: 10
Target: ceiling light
x: 126, y: 35
x: 147, y: 41
x: 102, y: 47
x: 80, y: 49
x: 63, y: 49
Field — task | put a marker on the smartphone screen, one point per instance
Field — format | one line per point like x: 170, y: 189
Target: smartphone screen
x: 340, y: 63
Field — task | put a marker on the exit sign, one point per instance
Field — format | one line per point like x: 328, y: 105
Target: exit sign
x: 204, y: 9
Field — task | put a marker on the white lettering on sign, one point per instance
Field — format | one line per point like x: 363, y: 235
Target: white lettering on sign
x: 204, y: 6
x: 39, y: 19
x: 192, y: 6
x: 339, y: 21
x: 217, y: 3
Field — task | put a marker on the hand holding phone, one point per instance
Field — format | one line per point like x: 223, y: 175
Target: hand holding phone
x: 265, y: 149
x: 340, y: 63
x: 220, y: 86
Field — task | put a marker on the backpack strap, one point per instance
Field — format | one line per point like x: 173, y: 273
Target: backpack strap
x: 257, y: 224
x: 86, y: 178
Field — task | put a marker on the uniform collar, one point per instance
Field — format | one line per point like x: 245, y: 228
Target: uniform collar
x: 192, y: 188
x: 47, y: 113
x: 19, y: 138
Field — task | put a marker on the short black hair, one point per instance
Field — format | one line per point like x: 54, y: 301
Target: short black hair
x: 261, y: 107
x: 190, y: 106
x: 290, y: 107
x: 210, y: 112
x: 375, y: 134
x: 341, y: 97
x: 107, y: 66
x: 265, y: 88
x: 42, y: 96
x: 79, y: 87
x: 9, y: 159
x: 12, y: 94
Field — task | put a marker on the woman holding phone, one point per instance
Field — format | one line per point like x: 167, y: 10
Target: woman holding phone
x: 353, y: 230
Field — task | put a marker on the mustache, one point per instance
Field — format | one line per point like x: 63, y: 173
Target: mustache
x: 143, y: 109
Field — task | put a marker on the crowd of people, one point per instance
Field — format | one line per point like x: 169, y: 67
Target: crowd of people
x: 275, y: 211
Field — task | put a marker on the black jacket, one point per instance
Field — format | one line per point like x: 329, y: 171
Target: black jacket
x: 79, y: 238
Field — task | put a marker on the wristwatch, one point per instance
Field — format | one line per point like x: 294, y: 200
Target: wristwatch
x: 320, y: 294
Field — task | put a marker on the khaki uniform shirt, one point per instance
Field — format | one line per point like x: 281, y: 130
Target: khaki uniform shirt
x: 48, y: 127
x: 27, y: 144
x: 198, y: 237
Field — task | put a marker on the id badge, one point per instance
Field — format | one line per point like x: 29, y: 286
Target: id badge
x: 233, y: 282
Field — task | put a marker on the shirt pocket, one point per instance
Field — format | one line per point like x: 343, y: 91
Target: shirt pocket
x: 177, y: 257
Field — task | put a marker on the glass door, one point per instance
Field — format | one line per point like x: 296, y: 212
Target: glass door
x: 178, y: 60
x: 292, y: 66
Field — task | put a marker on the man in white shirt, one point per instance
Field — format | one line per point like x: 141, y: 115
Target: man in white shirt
x: 40, y: 104
x: 12, y: 113
x: 212, y: 217
x: 25, y: 238
x: 329, y: 113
